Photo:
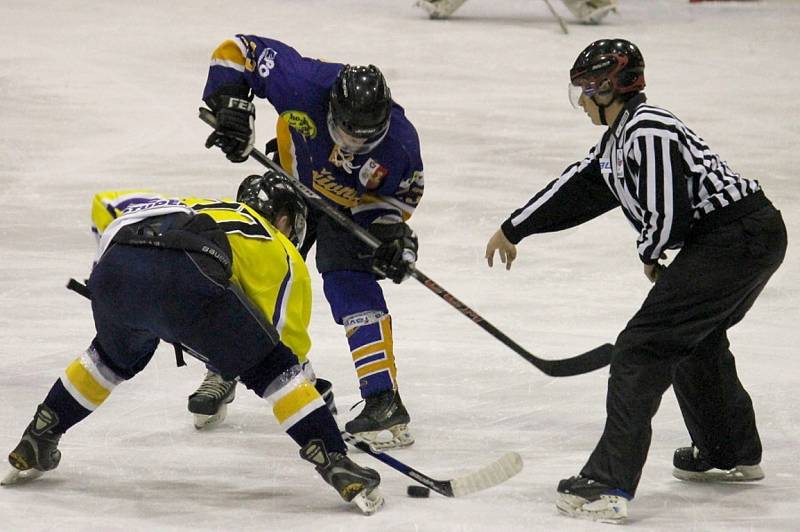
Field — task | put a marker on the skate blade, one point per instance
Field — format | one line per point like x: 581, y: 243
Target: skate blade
x: 737, y: 474
x: 202, y: 421
x: 15, y: 476
x: 369, y: 502
x: 400, y: 437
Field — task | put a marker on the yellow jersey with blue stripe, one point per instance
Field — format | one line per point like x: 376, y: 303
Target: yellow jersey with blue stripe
x: 266, y: 265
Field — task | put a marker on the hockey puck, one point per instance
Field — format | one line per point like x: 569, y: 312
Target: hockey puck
x: 418, y: 492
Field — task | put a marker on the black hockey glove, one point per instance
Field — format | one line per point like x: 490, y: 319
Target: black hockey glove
x: 398, y: 253
x: 234, y: 132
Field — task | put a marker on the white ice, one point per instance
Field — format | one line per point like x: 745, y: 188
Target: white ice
x: 103, y: 95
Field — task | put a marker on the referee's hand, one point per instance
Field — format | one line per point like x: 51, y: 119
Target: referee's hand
x: 504, y: 248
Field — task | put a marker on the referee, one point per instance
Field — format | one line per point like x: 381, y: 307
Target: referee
x: 677, y: 194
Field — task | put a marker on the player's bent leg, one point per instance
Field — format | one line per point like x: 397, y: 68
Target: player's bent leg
x: 370, y: 337
x: 357, y: 303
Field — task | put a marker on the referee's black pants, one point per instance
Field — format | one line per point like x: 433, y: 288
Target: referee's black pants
x: 679, y: 337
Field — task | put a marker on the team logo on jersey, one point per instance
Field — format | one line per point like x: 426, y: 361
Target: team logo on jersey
x: 605, y: 167
x: 372, y: 174
x: 155, y: 204
x: 266, y: 62
x: 300, y: 122
x: 325, y: 183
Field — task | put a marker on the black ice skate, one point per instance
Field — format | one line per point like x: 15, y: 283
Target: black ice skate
x: 355, y: 484
x: 37, y: 451
x: 689, y: 464
x: 588, y: 499
x: 382, y: 412
x: 325, y: 389
x: 209, y: 403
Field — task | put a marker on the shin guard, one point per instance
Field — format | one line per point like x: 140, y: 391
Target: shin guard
x: 369, y: 335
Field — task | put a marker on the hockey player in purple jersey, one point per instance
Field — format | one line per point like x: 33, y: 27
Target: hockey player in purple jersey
x: 339, y: 132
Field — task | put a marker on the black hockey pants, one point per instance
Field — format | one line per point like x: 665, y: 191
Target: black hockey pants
x: 679, y: 337
x: 141, y: 294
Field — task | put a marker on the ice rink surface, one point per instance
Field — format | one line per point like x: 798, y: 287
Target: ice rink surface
x: 103, y: 95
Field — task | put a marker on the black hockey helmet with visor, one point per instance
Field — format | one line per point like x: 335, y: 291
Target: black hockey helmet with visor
x: 360, y: 108
x: 607, y: 66
x: 272, y: 195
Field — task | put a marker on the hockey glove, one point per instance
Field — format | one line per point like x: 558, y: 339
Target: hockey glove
x: 234, y: 132
x: 398, y: 253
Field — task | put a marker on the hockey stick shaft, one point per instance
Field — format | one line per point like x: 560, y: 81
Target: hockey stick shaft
x: 584, y: 363
x: 557, y: 17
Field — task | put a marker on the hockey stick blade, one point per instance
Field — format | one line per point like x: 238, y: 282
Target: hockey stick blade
x: 486, y: 477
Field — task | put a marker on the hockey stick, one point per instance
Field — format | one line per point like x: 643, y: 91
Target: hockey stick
x: 584, y: 363
x: 557, y: 16
x: 486, y: 477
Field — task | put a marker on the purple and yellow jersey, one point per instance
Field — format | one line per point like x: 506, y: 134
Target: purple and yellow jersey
x: 385, y: 183
x: 266, y: 265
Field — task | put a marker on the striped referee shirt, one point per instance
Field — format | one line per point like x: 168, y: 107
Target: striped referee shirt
x: 648, y: 162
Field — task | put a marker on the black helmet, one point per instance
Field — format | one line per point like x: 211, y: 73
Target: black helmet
x: 614, y: 60
x: 271, y: 195
x: 360, y: 105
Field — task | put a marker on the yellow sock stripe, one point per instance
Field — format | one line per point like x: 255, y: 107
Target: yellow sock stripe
x: 375, y: 367
x: 386, y: 332
x: 85, y: 385
x: 229, y: 54
x: 369, y: 349
x: 298, y: 401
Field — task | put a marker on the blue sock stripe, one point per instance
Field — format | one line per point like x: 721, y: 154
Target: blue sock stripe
x: 369, y: 359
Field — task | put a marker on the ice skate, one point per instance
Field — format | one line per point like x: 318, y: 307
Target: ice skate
x: 689, y: 464
x: 37, y: 451
x: 382, y: 413
x: 209, y: 403
x: 325, y: 390
x: 440, y: 9
x: 590, y: 11
x: 585, y: 498
x: 355, y: 484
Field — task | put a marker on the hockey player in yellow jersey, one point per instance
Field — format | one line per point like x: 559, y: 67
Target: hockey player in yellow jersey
x: 222, y: 278
x: 287, y: 306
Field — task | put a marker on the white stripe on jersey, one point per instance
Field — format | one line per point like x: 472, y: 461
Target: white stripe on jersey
x: 544, y: 198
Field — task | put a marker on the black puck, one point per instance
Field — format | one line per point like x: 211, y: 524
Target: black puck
x: 418, y: 492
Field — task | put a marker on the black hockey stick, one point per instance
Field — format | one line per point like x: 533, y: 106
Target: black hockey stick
x: 489, y: 475
x: 584, y: 363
